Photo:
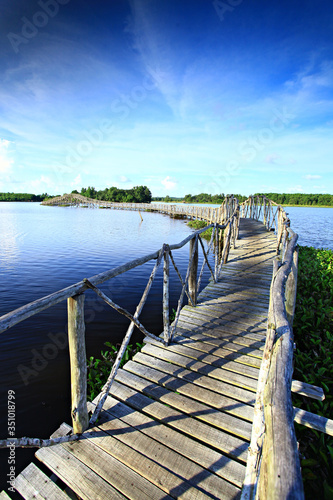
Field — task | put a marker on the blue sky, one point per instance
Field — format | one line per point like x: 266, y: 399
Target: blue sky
x: 184, y: 96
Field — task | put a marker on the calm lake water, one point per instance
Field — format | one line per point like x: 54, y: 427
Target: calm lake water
x: 44, y: 249
x: 314, y: 225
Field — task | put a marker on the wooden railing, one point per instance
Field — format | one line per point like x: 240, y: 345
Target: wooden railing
x: 273, y: 467
x: 223, y: 236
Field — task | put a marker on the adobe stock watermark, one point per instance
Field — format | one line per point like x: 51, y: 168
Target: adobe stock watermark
x: 31, y: 27
x: 95, y: 137
x: 226, y: 7
x: 40, y: 358
x: 11, y: 423
x: 248, y: 149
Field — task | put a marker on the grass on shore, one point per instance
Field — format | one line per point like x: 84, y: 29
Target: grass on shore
x: 313, y: 334
x: 200, y: 224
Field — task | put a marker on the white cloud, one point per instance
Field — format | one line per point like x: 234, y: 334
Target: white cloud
x: 169, y: 183
x: 5, y: 161
x: 295, y: 189
x: 311, y: 177
x: 41, y: 185
x: 77, y: 182
x: 123, y: 179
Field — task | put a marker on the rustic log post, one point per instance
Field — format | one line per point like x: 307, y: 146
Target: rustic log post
x: 220, y: 249
x: 226, y: 243
x: 217, y: 246
x: 166, y: 312
x: 78, y: 362
x: 280, y: 230
x: 291, y: 288
x: 192, y: 280
x: 280, y: 472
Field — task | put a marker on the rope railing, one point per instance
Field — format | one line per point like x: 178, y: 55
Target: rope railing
x: 224, y: 234
x: 273, y: 466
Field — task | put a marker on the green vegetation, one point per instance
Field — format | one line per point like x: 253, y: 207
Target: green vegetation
x: 167, y: 199
x: 98, y: 370
x: 210, y: 198
x: 22, y: 197
x: 313, y: 332
x: 138, y: 194
x: 294, y: 199
x: 200, y: 224
x: 216, y: 199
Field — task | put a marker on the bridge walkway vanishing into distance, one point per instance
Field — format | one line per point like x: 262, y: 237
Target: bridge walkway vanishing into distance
x: 186, y: 418
x: 179, y: 210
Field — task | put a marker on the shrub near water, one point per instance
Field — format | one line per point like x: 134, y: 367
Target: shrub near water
x: 313, y: 332
x: 99, y: 369
x: 200, y: 224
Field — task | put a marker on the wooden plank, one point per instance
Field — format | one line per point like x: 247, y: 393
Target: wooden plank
x: 231, y: 329
x: 79, y: 477
x: 207, y: 434
x: 256, y: 303
x: 221, y: 352
x: 304, y: 389
x: 222, y: 388
x: 180, y: 358
x: 185, y: 446
x: 170, y: 471
x: 255, y: 331
x: 313, y: 421
x: 225, y: 288
x: 240, y: 316
x: 215, y: 345
x: 4, y: 496
x: 226, y: 340
x: 193, y: 320
x: 196, y: 392
x: 33, y: 484
x: 185, y: 403
x: 215, y: 308
x: 242, y: 369
x: 121, y: 477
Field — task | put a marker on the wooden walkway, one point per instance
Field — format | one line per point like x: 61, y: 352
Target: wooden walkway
x: 177, y: 423
x: 178, y: 210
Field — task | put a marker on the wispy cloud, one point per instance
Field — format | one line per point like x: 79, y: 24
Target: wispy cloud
x: 295, y: 189
x: 6, y: 161
x: 169, y: 183
x: 311, y: 177
x: 123, y: 179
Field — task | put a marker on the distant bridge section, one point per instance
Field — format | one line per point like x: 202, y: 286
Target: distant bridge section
x: 179, y: 211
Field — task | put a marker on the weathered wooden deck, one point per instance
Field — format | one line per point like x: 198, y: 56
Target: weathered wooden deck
x: 177, y: 423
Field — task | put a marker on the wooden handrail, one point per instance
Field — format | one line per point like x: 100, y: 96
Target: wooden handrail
x: 273, y: 467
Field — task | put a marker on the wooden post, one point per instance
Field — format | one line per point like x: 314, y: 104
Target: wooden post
x: 226, y: 243
x: 217, y: 246
x: 192, y: 280
x: 78, y: 362
x: 166, y: 312
x: 291, y: 288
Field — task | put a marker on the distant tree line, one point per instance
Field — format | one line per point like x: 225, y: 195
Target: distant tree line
x: 210, y: 198
x: 168, y: 198
x: 300, y: 199
x: 138, y: 194
x: 22, y: 197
